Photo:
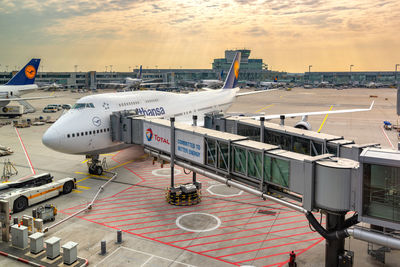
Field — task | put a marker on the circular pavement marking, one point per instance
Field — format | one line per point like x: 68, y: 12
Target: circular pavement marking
x: 195, y: 221
x: 225, y: 191
x: 165, y: 172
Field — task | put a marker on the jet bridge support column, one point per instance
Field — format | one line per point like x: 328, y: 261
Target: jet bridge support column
x: 262, y: 122
x: 334, y: 248
x: 194, y: 124
x: 172, y: 151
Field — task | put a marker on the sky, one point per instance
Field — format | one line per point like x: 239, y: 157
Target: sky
x: 289, y: 35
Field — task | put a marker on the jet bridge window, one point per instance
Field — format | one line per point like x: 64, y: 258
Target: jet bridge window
x: 276, y: 171
x: 381, y: 192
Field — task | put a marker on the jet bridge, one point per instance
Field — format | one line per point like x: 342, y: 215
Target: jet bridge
x: 322, y: 182
x: 287, y: 137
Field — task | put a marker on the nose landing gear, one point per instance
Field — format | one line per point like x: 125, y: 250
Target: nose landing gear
x: 96, y: 166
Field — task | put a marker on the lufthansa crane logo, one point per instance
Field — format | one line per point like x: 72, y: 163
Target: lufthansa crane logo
x: 149, y: 134
x: 30, y: 72
x: 96, y: 121
x: 236, y: 69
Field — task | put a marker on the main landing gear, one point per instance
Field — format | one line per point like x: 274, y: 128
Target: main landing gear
x: 95, y: 165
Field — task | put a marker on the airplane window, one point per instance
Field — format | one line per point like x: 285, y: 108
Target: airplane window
x: 97, y: 131
x: 90, y: 132
x: 101, y: 130
x: 108, y: 129
x: 77, y: 134
x: 79, y: 105
x: 73, y: 135
x: 68, y: 135
x: 81, y: 133
x: 86, y: 133
x: 91, y: 105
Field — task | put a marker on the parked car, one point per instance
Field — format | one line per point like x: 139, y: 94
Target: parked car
x: 66, y: 106
x: 50, y: 109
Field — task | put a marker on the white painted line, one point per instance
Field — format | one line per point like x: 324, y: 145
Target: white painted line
x: 108, y: 256
x: 149, y: 259
x: 148, y: 254
x: 220, y: 195
x: 194, y: 230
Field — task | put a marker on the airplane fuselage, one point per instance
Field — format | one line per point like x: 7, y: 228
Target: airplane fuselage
x: 16, y: 90
x: 85, y: 129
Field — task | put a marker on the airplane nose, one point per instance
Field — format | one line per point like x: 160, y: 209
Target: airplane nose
x: 51, y: 138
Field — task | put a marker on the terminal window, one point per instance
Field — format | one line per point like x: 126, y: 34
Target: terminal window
x: 381, y: 192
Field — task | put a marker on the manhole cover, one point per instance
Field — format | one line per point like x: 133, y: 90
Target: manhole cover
x: 165, y: 172
x: 224, y: 191
x: 198, y: 222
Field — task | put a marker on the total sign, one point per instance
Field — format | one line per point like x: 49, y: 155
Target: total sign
x: 157, y: 136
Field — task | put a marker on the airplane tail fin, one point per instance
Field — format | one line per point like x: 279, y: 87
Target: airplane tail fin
x: 233, y: 74
x: 140, y: 72
x: 27, y: 74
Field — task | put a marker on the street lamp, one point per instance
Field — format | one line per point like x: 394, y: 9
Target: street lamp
x: 106, y: 68
x: 351, y: 78
x: 309, y: 73
x: 111, y: 68
x: 129, y: 68
x: 395, y: 73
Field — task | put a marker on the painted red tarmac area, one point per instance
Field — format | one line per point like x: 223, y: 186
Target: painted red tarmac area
x: 245, y: 236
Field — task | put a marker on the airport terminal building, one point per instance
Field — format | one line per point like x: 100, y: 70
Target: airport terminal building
x: 252, y: 71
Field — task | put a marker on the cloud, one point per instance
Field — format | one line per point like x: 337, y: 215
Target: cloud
x: 256, y: 31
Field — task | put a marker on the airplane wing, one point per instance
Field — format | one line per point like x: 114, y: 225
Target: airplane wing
x: 312, y: 113
x: 25, y: 98
x: 255, y: 92
x: 161, y: 83
x: 113, y: 84
x: 207, y: 89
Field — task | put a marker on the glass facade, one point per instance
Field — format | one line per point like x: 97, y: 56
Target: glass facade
x: 381, y: 192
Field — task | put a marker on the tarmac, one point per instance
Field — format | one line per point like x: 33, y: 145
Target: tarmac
x: 228, y: 227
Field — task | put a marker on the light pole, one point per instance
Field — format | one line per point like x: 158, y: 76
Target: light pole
x: 111, y: 68
x: 129, y: 68
x: 351, y: 79
x: 309, y: 73
x: 395, y: 73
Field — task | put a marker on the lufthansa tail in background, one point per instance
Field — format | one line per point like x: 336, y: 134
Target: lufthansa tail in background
x: 23, y: 82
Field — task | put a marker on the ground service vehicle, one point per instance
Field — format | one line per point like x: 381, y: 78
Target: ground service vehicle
x: 36, y: 189
x: 12, y: 111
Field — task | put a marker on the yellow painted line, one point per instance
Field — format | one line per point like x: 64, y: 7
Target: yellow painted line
x: 281, y: 96
x: 76, y: 191
x: 83, y: 179
x: 323, y: 122
x: 107, y: 154
x: 130, y: 161
x: 86, y: 160
x: 264, y: 108
x: 52, y: 93
x: 83, y: 187
x: 93, y: 175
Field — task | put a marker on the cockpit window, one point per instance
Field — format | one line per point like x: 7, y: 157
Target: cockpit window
x: 83, y: 105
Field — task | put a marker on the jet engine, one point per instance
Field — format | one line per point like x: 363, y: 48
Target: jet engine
x: 303, y: 124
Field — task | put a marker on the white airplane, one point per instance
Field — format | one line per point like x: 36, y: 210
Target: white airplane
x: 21, y: 83
x: 85, y: 129
x: 130, y: 83
x: 210, y: 83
